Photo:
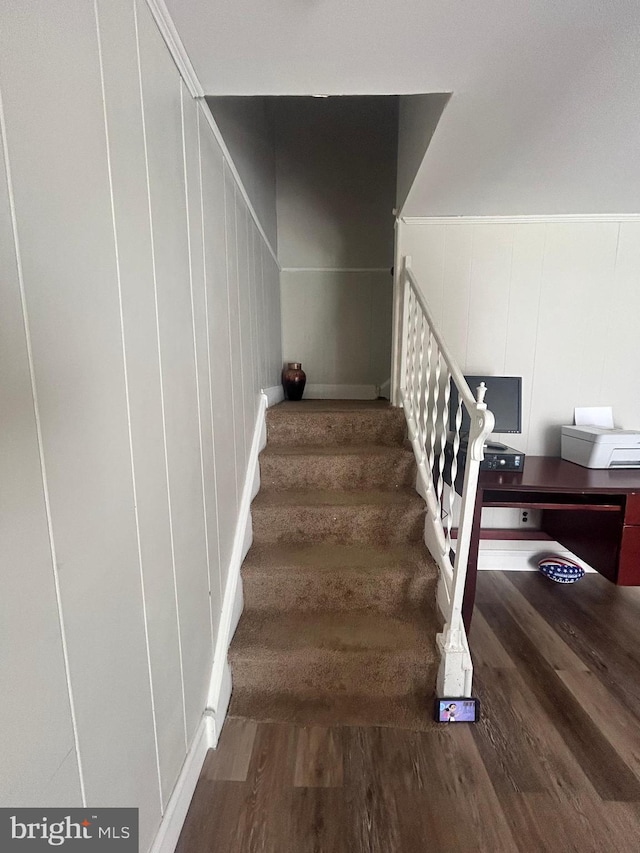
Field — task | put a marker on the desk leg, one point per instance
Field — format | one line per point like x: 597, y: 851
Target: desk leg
x: 472, y: 566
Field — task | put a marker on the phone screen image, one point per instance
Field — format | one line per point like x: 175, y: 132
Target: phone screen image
x: 463, y: 710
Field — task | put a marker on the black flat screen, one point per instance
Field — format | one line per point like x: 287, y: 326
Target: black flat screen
x: 503, y: 398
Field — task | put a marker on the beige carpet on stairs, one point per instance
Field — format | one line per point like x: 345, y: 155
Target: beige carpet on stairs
x: 340, y: 620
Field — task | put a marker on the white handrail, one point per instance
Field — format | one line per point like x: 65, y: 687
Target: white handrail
x: 426, y: 375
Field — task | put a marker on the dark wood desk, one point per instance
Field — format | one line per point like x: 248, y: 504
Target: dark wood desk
x: 594, y: 513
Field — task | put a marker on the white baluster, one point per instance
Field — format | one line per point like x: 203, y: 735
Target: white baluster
x: 454, y: 471
x: 407, y: 332
x: 427, y: 396
x: 443, y: 436
x: 420, y: 375
x: 414, y: 357
x: 434, y: 421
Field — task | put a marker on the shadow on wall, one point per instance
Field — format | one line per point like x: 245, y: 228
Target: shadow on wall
x: 336, y: 186
x: 336, y: 180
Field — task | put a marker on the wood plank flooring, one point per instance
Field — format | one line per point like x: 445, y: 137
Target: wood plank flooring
x: 553, y: 765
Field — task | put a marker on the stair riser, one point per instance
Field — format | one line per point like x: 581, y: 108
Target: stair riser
x: 366, y: 471
x: 385, y: 427
x: 382, y: 525
x: 388, y: 593
x: 320, y: 671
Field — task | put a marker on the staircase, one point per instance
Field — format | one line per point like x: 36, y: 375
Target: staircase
x: 339, y: 623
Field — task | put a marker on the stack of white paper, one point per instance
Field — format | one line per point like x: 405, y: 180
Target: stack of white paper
x: 598, y: 416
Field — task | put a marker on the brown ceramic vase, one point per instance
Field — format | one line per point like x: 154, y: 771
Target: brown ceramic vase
x: 293, y: 381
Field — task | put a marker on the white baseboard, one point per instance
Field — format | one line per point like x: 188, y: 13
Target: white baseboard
x: 220, y: 685
x: 520, y: 555
x: 233, y: 602
x: 341, y: 392
x: 274, y: 395
x: 180, y: 799
x: 385, y: 389
x: 218, y: 717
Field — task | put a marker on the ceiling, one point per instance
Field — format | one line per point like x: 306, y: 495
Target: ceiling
x: 544, y: 116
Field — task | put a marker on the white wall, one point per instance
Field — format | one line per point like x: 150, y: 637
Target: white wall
x: 543, y: 117
x: 140, y: 318
x: 34, y: 688
x: 418, y: 117
x: 555, y: 302
x: 247, y: 130
x: 336, y: 165
x: 338, y: 324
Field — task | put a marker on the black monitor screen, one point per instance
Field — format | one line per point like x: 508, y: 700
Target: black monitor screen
x: 503, y: 398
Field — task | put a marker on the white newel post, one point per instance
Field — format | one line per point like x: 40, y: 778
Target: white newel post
x: 404, y: 328
x: 398, y: 319
x: 455, y: 673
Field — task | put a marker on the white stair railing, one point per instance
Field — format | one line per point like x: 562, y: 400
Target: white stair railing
x: 427, y: 373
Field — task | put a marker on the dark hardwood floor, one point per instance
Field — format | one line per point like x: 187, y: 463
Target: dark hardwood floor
x: 553, y: 765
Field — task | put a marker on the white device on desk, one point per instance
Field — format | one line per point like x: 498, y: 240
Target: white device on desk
x: 597, y: 447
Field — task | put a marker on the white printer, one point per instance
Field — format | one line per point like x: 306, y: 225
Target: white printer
x: 596, y: 447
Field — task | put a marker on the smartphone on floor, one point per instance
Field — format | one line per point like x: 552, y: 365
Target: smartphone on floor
x: 454, y: 709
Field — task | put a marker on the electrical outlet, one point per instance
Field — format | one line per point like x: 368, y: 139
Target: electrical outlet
x: 526, y: 518
x: 529, y: 518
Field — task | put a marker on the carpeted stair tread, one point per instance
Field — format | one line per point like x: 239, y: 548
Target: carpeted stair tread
x: 339, y: 577
x: 331, y: 423
x: 382, y: 517
x: 341, y: 466
x: 360, y: 632
x: 407, y: 712
x: 290, y: 408
x: 336, y: 498
x: 324, y: 557
x: 333, y: 653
